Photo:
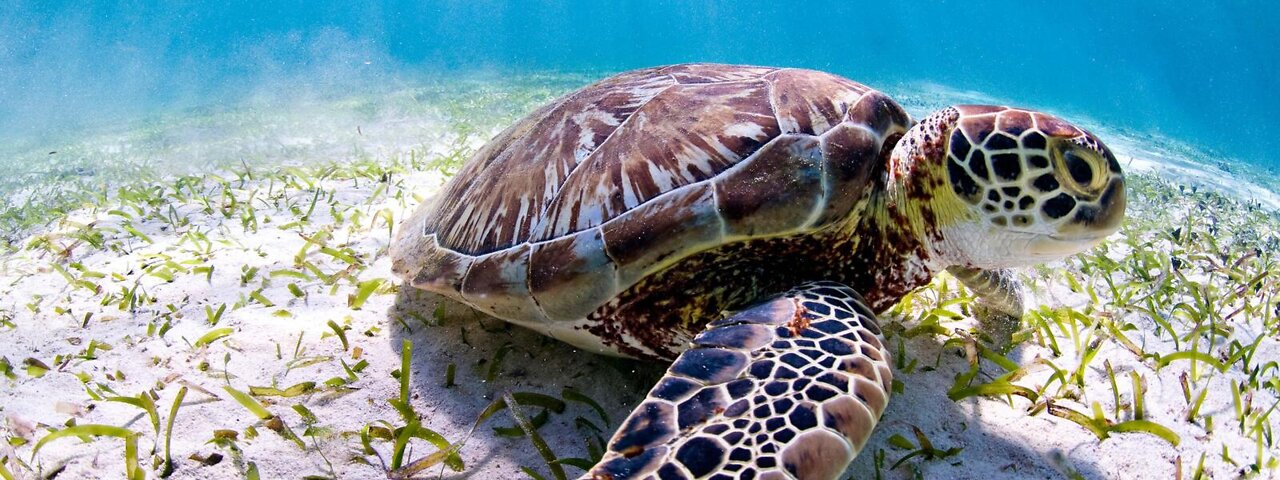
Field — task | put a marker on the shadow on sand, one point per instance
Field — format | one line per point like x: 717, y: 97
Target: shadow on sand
x: 534, y: 363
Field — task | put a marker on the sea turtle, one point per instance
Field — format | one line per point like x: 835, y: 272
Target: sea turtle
x: 747, y: 224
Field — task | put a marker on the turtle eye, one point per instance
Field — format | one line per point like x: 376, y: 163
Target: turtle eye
x: 1078, y: 167
x: 1081, y: 170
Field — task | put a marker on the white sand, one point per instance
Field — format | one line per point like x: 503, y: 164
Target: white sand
x: 999, y: 440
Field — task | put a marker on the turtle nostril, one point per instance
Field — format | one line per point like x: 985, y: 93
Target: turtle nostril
x: 1079, y: 168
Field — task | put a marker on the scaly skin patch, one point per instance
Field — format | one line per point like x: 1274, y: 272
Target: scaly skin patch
x: 664, y: 311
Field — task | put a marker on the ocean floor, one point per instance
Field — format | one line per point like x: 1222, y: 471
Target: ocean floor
x: 210, y: 296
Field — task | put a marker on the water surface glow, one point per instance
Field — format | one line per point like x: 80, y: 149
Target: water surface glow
x: 1202, y: 72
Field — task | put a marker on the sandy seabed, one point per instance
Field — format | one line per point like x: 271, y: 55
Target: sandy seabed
x: 275, y: 281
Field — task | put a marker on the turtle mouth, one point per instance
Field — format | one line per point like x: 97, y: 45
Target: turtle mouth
x: 1065, y: 245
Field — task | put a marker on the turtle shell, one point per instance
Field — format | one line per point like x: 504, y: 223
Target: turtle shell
x: 623, y: 178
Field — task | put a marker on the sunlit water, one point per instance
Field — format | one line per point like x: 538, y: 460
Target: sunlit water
x: 95, y: 93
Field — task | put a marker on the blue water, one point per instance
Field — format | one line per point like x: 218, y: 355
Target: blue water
x: 1203, y: 72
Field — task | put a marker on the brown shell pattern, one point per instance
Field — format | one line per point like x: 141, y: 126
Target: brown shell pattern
x: 522, y: 216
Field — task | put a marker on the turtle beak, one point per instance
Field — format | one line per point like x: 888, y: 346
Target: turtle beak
x: 1056, y: 246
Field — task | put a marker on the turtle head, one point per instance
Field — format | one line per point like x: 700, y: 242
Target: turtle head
x: 1009, y: 187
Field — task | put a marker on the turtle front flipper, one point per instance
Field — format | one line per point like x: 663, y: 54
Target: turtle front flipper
x: 789, y: 388
x: 1000, y: 298
x: 999, y: 290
